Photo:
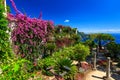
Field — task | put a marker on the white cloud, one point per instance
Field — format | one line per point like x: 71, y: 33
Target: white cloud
x: 113, y: 30
x: 67, y: 20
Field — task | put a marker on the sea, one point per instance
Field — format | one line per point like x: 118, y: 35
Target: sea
x: 116, y: 36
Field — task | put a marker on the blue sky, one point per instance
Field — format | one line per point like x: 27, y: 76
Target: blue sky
x: 86, y: 15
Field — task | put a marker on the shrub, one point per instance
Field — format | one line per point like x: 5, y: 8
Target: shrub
x: 80, y: 52
x: 50, y: 47
x: 61, y: 61
x: 63, y: 53
x: 77, y: 52
x: 15, y: 69
x: 45, y: 64
x: 65, y: 68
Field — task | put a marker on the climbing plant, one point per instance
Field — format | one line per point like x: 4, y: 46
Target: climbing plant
x: 29, y: 34
x: 4, y: 33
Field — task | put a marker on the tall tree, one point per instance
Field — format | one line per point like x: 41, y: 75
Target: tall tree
x: 101, y: 37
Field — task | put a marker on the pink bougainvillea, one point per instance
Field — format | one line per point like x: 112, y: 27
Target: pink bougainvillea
x: 28, y: 28
x: 29, y: 33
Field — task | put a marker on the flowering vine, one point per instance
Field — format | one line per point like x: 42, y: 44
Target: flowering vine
x: 29, y: 33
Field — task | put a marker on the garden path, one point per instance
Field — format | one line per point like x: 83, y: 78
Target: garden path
x: 98, y: 74
x: 95, y: 75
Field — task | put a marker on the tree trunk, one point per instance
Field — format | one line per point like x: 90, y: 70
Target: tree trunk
x: 79, y: 64
x: 100, y: 45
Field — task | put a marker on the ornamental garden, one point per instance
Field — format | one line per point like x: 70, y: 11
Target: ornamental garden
x: 36, y: 49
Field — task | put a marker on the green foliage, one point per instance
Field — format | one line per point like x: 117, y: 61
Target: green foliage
x: 64, y: 65
x: 77, y: 52
x: 46, y: 63
x: 76, y: 38
x: 50, y: 46
x: 90, y: 43
x: 63, y: 53
x: 12, y: 68
x: 66, y: 29
x: 65, y: 36
x: 15, y: 69
x: 8, y: 9
x: 101, y: 37
x: 114, y: 50
x: 63, y: 58
x: 80, y: 52
x: 4, y: 35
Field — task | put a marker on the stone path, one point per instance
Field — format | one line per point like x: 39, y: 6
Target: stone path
x: 100, y: 73
x: 95, y: 75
